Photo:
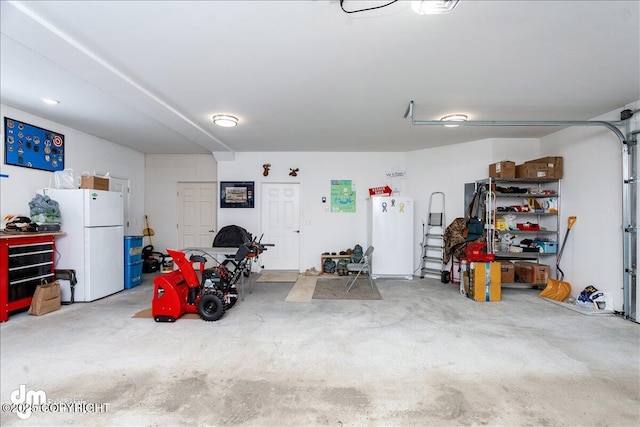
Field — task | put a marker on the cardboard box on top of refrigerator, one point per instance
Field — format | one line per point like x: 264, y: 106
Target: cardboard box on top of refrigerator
x: 485, y: 282
x: 94, y: 183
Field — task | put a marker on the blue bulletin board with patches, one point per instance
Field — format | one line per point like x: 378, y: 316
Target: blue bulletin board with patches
x: 32, y: 146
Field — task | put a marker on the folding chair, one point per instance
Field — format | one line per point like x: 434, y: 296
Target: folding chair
x: 364, y: 266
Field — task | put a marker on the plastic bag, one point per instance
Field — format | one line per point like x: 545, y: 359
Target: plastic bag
x: 44, y: 210
x: 588, y: 297
x: 510, y: 221
x: 64, y: 179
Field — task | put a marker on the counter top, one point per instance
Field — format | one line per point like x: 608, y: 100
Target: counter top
x: 13, y: 235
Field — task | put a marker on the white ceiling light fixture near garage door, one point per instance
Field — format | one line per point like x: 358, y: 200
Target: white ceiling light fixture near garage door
x: 225, y: 120
x: 433, y: 7
x: 50, y: 101
x: 454, y: 118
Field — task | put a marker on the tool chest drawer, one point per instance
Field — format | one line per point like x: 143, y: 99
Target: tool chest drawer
x: 20, y: 256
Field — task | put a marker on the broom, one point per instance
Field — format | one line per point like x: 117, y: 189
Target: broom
x: 148, y: 231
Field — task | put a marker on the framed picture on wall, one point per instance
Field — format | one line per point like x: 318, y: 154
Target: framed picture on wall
x: 237, y: 194
x: 32, y: 146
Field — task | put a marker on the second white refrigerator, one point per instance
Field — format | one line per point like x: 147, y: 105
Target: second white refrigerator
x: 390, y: 232
x: 94, y: 242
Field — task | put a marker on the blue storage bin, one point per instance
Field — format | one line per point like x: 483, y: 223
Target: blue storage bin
x: 546, y: 247
x: 132, y: 249
x: 132, y: 274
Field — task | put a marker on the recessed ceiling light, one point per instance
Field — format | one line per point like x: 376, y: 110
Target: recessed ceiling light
x: 433, y: 7
x: 50, y: 101
x: 454, y: 118
x: 225, y: 120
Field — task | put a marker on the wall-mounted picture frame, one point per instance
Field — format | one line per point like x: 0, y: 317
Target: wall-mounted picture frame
x: 32, y: 147
x: 237, y: 194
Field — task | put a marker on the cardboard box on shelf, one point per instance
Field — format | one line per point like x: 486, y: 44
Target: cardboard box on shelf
x: 484, y: 282
x: 532, y: 170
x: 554, y: 165
x: 503, y: 169
x: 531, y: 272
x: 507, y: 272
x: 94, y: 183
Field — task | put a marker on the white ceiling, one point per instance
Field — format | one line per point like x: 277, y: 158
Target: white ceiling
x: 306, y: 76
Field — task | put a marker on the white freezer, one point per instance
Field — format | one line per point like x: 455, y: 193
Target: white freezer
x: 103, y: 266
x: 390, y: 232
x: 102, y: 208
x: 94, y: 242
x: 92, y: 208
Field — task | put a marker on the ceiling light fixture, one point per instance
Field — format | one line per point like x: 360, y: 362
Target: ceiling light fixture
x: 225, y: 120
x: 50, y: 101
x: 433, y: 7
x: 454, y: 118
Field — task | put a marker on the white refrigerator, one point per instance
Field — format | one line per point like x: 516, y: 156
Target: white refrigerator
x: 390, y: 232
x: 93, y: 245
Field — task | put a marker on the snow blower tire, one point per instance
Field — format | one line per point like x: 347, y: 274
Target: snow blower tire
x: 211, y: 306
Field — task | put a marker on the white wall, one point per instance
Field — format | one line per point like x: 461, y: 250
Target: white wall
x: 162, y: 174
x: 592, y: 191
x: 321, y: 230
x: 83, y: 153
x: 448, y: 168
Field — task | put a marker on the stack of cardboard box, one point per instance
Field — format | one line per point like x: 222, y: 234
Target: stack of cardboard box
x: 543, y: 168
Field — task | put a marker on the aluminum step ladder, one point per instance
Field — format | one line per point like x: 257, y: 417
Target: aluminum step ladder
x: 433, y: 240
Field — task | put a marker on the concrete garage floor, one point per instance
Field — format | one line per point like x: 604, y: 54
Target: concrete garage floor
x: 422, y: 356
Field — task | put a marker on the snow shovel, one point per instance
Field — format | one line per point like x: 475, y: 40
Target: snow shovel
x: 558, y: 290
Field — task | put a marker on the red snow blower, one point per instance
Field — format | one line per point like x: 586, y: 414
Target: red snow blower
x: 209, y: 293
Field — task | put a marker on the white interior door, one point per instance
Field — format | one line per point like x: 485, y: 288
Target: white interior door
x: 280, y: 205
x: 122, y: 185
x: 197, y: 213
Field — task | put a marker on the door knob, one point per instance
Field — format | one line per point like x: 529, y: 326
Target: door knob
x: 212, y: 231
x: 296, y: 231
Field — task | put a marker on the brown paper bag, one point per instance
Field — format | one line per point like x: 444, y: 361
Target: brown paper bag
x: 45, y: 299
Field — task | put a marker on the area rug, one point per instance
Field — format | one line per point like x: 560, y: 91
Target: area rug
x: 146, y: 314
x: 278, y: 277
x: 302, y: 290
x: 337, y: 289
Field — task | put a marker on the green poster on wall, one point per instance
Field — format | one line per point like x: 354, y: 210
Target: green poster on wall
x: 343, y: 196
